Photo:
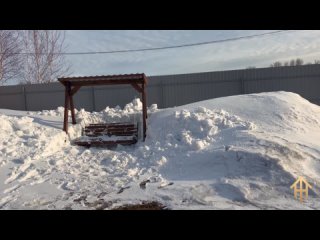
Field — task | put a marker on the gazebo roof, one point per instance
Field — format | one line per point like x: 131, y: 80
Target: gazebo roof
x: 105, y: 80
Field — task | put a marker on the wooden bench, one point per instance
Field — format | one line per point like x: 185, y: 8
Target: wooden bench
x: 108, y: 135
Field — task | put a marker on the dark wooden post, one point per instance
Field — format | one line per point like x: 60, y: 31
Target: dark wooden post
x: 66, y: 107
x: 144, y: 111
x: 72, y: 109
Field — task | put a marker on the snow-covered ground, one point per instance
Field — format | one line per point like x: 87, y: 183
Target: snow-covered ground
x: 239, y: 152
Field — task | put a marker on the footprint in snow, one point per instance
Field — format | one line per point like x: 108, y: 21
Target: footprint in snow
x: 64, y: 186
x: 165, y: 185
x: 143, y: 184
x: 122, y: 189
x: 18, y: 161
x: 11, y: 189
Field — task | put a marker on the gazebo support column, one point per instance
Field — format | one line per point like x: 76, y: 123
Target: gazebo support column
x: 72, y: 110
x: 144, y: 111
x: 71, y: 93
x: 66, y: 108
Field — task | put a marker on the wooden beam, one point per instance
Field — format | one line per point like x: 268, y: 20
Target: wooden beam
x: 137, y: 87
x: 66, y: 106
x: 102, y: 82
x: 74, y: 90
x: 122, y: 77
x: 144, y: 112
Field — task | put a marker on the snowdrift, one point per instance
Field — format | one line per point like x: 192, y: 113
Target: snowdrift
x: 238, y: 152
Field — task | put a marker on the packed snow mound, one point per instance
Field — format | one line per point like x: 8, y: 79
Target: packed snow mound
x: 195, y: 129
x: 23, y: 138
x: 244, y: 145
x: 237, y: 152
x: 276, y: 125
x: 135, y: 105
x: 272, y: 109
x: 130, y: 113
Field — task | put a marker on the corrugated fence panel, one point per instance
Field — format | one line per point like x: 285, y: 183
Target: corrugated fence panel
x: 170, y: 90
x: 113, y: 96
x: 44, y: 96
x: 154, y: 91
x: 84, y: 99
x: 12, y: 97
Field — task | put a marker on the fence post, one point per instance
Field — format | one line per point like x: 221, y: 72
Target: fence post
x: 93, y: 99
x: 243, y: 90
x: 162, y: 94
x: 24, y: 98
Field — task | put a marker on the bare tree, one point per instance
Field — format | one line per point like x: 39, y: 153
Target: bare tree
x: 43, y: 60
x: 10, y: 64
x: 299, y: 62
x: 276, y: 64
x: 292, y: 62
x: 316, y: 61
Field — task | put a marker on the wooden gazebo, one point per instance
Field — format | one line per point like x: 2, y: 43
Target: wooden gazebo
x: 73, y: 84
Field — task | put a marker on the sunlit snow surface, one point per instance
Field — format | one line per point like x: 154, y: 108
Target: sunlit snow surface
x: 239, y: 152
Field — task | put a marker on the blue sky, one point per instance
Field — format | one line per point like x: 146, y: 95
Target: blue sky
x: 259, y: 52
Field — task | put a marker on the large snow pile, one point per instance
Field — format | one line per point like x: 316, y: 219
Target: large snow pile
x: 234, y: 152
